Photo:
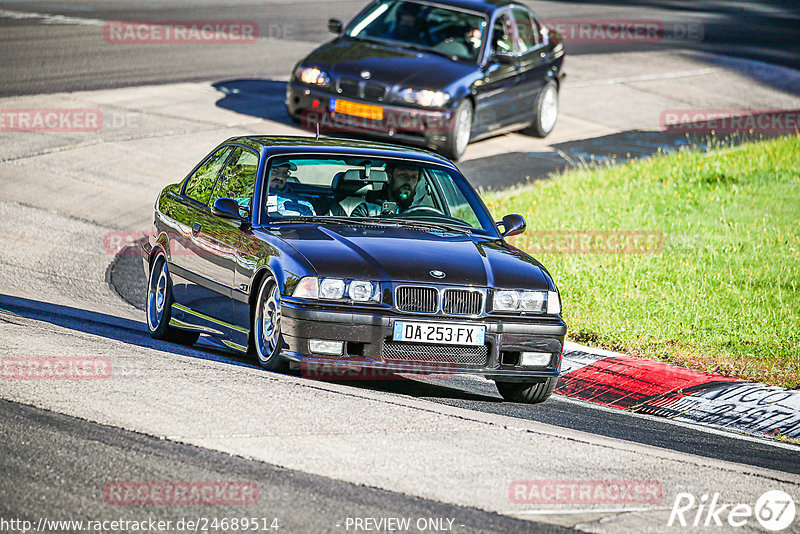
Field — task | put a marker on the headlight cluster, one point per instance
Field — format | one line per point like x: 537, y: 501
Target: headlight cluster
x: 425, y: 97
x: 312, y: 287
x: 312, y: 76
x: 527, y: 301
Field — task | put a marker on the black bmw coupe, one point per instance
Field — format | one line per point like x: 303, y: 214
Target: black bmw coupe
x: 436, y: 74
x: 308, y: 252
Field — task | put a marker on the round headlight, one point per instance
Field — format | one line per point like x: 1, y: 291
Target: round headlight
x: 331, y: 288
x: 505, y: 300
x: 361, y: 290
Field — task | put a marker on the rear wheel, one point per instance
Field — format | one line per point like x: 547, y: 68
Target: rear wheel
x: 267, y: 338
x: 546, y: 112
x: 458, y: 139
x: 527, y: 392
x: 159, y: 306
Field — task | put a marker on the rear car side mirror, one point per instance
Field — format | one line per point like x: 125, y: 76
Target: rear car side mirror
x: 335, y: 26
x: 512, y: 225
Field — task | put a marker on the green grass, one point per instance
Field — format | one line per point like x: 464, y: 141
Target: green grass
x: 721, y: 295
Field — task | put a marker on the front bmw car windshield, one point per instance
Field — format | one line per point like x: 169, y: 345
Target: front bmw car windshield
x: 434, y: 28
x: 381, y: 191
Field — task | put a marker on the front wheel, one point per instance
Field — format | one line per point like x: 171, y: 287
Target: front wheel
x: 458, y: 138
x: 546, y: 112
x: 527, y: 392
x: 159, y: 306
x: 267, y: 339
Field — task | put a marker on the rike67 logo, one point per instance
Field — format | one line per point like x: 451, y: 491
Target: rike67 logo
x: 774, y: 511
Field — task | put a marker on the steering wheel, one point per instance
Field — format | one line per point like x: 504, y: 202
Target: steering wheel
x: 422, y: 210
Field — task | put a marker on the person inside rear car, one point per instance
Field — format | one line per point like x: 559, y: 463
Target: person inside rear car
x: 396, y: 195
x: 283, y: 200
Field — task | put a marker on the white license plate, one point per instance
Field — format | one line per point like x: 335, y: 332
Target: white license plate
x: 439, y: 333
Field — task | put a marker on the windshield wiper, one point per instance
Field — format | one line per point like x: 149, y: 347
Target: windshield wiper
x: 416, y: 223
x: 374, y: 221
x: 322, y: 219
x: 420, y: 48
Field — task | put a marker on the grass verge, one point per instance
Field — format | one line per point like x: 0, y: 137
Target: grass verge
x: 691, y: 258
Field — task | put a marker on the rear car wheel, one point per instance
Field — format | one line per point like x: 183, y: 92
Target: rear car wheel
x: 267, y: 339
x: 159, y: 306
x: 527, y: 392
x: 458, y: 139
x: 546, y: 111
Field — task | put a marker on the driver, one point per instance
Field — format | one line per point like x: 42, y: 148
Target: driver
x: 281, y: 199
x: 400, y: 189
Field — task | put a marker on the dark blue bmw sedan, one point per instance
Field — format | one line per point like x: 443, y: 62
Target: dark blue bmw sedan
x: 334, y: 254
x: 437, y: 74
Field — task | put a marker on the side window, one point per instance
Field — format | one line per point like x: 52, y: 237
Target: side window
x: 455, y: 200
x: 527, y: 30
x: 201, y: 183
x: 502, y: 40
x: 238, y: 178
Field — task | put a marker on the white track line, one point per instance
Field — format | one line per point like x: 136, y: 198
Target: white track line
x: 47, y: 18
x: 647, y: 77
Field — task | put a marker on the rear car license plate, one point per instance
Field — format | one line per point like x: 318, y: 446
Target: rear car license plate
x: 357, y: 110
x: 439, y: 333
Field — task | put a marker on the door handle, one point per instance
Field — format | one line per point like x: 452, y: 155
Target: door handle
x: 196, y: 228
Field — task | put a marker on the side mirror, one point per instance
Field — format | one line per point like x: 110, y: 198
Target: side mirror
x: 227, y: 208
x: 335, y: 26
x: 512, y: 225
x: 505, y: 58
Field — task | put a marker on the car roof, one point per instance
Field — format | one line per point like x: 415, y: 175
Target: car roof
x: 327, y: 145
x: 484, y: 6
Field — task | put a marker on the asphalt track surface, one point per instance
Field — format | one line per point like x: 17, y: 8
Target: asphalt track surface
x: 45, y: 455
x: 79, y: 456
x: 472, y: 393
x: 40, y: 56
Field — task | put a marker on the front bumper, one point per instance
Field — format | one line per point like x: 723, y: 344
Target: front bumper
x: 431, y: 128
x: 367, y: 343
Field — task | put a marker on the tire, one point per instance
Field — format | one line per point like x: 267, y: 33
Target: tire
x: 158, y: 307
x: 267, y: 336
x: 527, y: 392
x: 458, y: 139
x: 546, y: 113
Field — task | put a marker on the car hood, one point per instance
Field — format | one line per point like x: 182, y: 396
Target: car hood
x: 388, y: 64
x: 409, y: 255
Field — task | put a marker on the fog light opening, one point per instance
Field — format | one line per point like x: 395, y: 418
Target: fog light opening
x: 535, y: 359
x: 354, y: 348
x: 321, y: 346
x: 509, y: 358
